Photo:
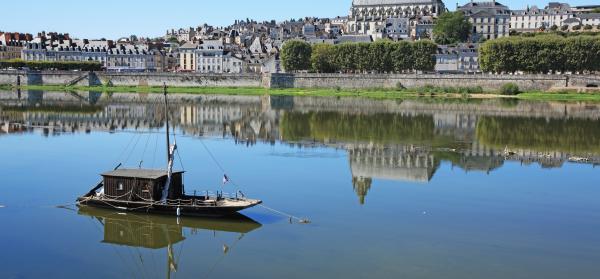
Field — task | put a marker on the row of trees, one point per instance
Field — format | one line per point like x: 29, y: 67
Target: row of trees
x: 541, y: 54
x: 51, y: 65
x: 379, y: 57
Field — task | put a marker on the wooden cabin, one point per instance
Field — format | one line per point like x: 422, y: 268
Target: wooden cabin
x: 141, y: 184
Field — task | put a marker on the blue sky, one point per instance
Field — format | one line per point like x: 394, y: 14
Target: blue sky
x: 117, y: 18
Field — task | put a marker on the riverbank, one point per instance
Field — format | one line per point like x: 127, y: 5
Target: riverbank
x: 374, y: 93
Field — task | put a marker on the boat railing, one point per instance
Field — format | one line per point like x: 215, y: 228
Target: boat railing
x: 208, y: 195
x: 196, y: 200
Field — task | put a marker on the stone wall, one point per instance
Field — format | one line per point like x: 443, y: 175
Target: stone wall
x: 131, y: 79
x: 180, y: 79
x: 303, y: 80
x: 360, y: 81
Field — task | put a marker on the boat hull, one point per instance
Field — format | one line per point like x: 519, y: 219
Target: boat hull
x: 167, y: 209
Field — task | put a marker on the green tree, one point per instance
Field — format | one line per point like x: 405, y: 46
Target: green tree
x: 363, y: 58
x: 452, y: 27
x: 401, y: 55
x: 379, y: 56
x: 345, y: 58
x: 296, y: 55
x: 173, y: 40
x: 323, y: 59
x: 541, y: 54
x: 423, y: 55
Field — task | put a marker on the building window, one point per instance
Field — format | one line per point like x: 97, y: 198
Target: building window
x: 120, y: 187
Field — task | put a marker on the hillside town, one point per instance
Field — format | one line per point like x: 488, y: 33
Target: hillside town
x: 249, y: 46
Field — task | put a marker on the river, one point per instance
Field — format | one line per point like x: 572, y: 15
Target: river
x: 427, y: 188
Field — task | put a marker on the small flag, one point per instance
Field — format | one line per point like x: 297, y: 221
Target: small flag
x: 225, y: 179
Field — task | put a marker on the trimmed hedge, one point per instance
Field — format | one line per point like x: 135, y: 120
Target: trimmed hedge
x: 51, y: 65
x: 541, y: 54
x: 379, y: 57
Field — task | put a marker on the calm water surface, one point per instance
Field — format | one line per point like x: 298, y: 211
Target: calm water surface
x: 393, y: 189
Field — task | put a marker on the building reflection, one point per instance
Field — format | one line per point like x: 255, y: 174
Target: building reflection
x: 154, y: 232
x: 390, y: 140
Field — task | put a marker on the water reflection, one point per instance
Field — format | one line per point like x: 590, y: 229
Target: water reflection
x: 162, y: 232
x: 390, y: 140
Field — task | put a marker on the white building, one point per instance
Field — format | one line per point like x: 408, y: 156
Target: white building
x: 187, y: 57
x: 369, y: 17
x: 209, y: 56
x: 397, y: 28
x: 186, y: 35
x: 491, y: 20
x: 534, y: 19
x: 462, y: 58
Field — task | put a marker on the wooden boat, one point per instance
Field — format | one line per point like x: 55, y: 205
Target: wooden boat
x: 160, y: 191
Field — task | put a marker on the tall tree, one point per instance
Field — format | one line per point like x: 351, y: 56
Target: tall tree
x: 452, y: 27
x: 424, y: 55
x: 323, y: 59
x: 295, y: 55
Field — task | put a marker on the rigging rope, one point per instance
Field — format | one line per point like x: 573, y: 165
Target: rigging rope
x: 133, y: 149
x: 155, y: 149
x: 126, y: 148
x: 212, y: 156
x: 180, y: 161
x: 144, y: 151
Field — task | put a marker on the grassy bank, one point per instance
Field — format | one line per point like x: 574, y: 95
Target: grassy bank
x: 374, y: 93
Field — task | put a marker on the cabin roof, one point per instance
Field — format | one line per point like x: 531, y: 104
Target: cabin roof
x: 138, y: 173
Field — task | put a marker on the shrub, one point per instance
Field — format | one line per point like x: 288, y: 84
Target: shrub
x: 577, y: 27
x: 51, y: 65
x: 564, y: 28
x: 399, y: 86
x: 509, y: 89
x: 588, y: 27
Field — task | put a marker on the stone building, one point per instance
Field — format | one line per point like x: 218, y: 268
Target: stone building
x: 114, y: 58
x: 370, y: 17
x: 212, y: 58
x: 187, y: 57
x: 490, y: 20
x: 535, y: 19
x: 462, y: 58
x: 592, y: 19
x: 208, y: 56
x: 11, y: 44
x: 133, y: 58
x: 10, y: 50
x: 185, y: 35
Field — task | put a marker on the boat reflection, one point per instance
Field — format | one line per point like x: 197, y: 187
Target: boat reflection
x: 158, y: 232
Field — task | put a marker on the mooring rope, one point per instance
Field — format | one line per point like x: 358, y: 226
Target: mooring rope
x: 292, y: 217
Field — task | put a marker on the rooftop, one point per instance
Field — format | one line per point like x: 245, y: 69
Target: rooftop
x: 138, y: 173
x: 389, y: 2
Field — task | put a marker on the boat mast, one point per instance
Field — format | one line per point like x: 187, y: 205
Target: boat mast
x: 167, y: 118
x: 170, y: 152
